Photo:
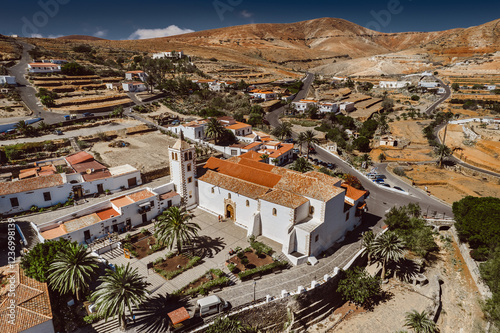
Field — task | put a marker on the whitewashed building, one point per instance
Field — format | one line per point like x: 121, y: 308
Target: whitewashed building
x: 136, y: 75
x: 326, y: 107
x: 428, y: 84
x: 135, y: 86
x: 306, y: 213
x: 7, y: 79
x: 394, y: 84
x: 44, y: 187
x: 346, y: 107
x: 303, y: 104
x: 40, y: 67
x: 168, y: 54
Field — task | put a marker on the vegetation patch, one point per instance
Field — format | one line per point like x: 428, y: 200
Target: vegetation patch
x: 212, y: 278
x: 173, y: 265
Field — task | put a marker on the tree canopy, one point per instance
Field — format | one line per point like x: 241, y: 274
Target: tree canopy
x: 37, y: 262
x: 358, y: 286
x: 477, y: 221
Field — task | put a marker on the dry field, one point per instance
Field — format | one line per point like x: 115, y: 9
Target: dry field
x: 410, y: 130
x: 484, y: 153
x: 143, y: 152
x: 16, y: 109
x: 460, y: 306
x: 403, y: 155
x: 451, y: 186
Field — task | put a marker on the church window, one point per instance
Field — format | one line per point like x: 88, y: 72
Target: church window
x: 248, y: 203
x: 229, y: 195
x: 213, y: 191
x: 190, y: 179
x: 311, y: 210
x: 275, y: 212
x: 189, y: 167
x: 316, y: 238
x: 347, y: 216
x: 186, y: 156
x: 190, y: 155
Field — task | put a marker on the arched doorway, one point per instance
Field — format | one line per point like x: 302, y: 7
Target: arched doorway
x: 230, y: 212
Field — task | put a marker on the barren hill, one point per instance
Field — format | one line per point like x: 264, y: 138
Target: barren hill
x: 80, y: 37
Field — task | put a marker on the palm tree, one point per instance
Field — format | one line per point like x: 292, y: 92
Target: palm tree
x: 388, y: 247
x: 382, y: 157
x: 419, y: 322
x: 118, y: 291
x: 173, y: 226
x: 214, y: 129
x: 283, y: 130
x: 301, y: 165
x: 366, y: 158
x: 368, y: 238
x: 73, y: 270
x: 301, y: 139
x: 442, y: 151
x: 22, y: 127
x: 227, y: 325
x: 275, y: 161
x: 264, y: 157
x: 310, y: 139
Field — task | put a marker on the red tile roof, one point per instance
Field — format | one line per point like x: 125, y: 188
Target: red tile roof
x: 30, y: 184
x: 243, y: 172
x: 284, y: 198
x: 352, y: 192
x: 141, y: 195
x: 42, y: 64
x: 238, y: 126
x: 83, y: 167
x: 168, y: 195
x: 235, y: 185
x: 99, y: 174
x: 178, y: 315
x: 79, y: 157
x: 107, y: 213
x: 32, y: 304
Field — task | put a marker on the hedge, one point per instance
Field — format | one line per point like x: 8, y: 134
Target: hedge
x: 249, y: 273
x: 204, y: 288
x: 170, y: 275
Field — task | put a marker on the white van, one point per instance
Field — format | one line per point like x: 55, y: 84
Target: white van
x: 211, y: 305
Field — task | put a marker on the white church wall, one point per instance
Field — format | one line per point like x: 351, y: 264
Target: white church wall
x: 333, y: 228
x: 275, y: 226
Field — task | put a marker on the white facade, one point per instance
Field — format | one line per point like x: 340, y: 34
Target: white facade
x: 328, y: 107
x: 427, y: 84
x: 132, y: 75
x: 265, y: 95
x: 491, y: 87
x: 303, y: 104
x: 44, y: 68
x: 394, y: 84
x: 346, y: 106
x: 133, y: 86
x: 114, y: 215
x: 182, y: 159
x: 6, y: 79
x: 168, y: 54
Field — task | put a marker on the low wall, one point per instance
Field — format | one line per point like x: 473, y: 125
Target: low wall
x: 155, y: 174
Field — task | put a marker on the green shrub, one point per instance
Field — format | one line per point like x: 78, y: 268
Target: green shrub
x: 249, y: 273
x: 241, y: 255
x: 261, y: 248
x: 244, y: 261
x: 232, y: 267
x: 92, y: 318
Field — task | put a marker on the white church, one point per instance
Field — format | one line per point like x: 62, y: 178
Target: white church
x: 306, y: 213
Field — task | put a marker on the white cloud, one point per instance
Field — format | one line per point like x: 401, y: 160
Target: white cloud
x: 171, y: 30
x: 101, y: 33
x: 246, y: 14
x: 41, y: 36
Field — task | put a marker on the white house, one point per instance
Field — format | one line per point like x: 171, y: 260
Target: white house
x: 303, y: 104
x: 44, y: 187
x: 194, y: 130
x: 306, y: 213
x: 6, y: 79
x: 168, y: 54
x: 325, y: 107
x: 346, y: 107
x: 491, y: 87
x: 134, y: 86
x: 40, y: 67
x: 59, y: 61
x: 113, y: 215
x: 388, y: 140
x: 29, y: 301
x: 263, y: 94
x: 134, y: 75
x: 114, y: 86
x: 394, y: 84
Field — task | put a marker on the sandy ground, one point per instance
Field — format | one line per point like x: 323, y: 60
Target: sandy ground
x: 461, y: 311
x: 410, y: 130
x: 485, y: 153
x: 17, y: 109
x: 404, y: 155
x: 451, y: 186
x: 146, y: 152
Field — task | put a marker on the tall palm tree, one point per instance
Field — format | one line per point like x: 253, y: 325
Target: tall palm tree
x: 301, y: 165
x: 388, y: 247
x: 214, y: 129
x: 368, y: 238
x: 310, y: 139
x: 264, y: 157
x: 119, y: 291
x: 73, y: 270
x: 442, y: 151
x: 173, y: 226
x: 283, y: 130
x: 419, y: 322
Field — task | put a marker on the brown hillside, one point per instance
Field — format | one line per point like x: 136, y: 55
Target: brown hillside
x: 80, y: 37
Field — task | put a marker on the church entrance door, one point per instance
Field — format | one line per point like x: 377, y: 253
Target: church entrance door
x: 229, y: 212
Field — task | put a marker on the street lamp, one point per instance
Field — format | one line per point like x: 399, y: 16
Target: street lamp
x: 254, y: 284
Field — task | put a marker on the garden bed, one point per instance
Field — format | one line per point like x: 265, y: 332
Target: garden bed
x: 142, y: 244
x: 212, y: 279
x: 173, y: 265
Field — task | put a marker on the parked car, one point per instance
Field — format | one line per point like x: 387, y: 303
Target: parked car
x: 58, y: 132
x: 211, y: 305
x: 289, y: 141
x: 398, y: 188
x: 379, y: 181
x: 296, y: 151
x: 330, y: 166
x: 88, y: 114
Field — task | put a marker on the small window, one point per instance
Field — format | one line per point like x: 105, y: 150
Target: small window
x: 213, y: 191
x: 248, y: 203
x: 347, y: 216
x: 186, y: 156
x: 189, y: 167
x: 311, y: 210
x: 152, y: 203
x: 316, y: 238
x: 190, y: 155
x: 229, y: 195
x: 275, y: 212
x: 169, y: 203
x: 14, y: 202
x: 190, y: 179
x: 46, y: 196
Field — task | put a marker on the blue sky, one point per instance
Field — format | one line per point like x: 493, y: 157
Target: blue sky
x: 128, y: 19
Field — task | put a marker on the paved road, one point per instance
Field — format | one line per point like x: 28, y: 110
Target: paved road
x: 380, y: 199
x: 443, y: 98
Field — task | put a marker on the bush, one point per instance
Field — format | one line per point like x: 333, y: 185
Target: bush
x: 261, y: 248
x: 232, y: 268
x: 92, y: 318
x: 249, y: 273
x: 400, y: 172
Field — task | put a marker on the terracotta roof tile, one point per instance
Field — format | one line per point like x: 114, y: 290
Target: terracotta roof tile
x: 238, y: 126
x: 79, y: 157
x: 30, y: 184
x: 236, y: 185
x: 168, y: 195
x: 107, y: 213
x: 55, y: 232
x: 352, y: 192
x: 84, y: 166
x: 284, y: 198
x: 141, y: 195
